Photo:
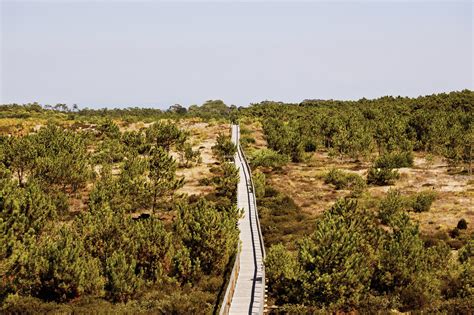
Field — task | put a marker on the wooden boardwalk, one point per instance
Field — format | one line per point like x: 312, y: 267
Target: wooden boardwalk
x: 249, y: 293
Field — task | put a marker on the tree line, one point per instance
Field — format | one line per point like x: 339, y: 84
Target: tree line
x: 442, y: 124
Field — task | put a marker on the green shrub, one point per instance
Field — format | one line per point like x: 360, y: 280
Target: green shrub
x: 109, y: 129
x: 285, y: 138
x: 245, y: 140
x: 56, y: 269
x: 210, y: 235
x: 389, y: 206
x: 419, y: 293
x: 267, y: 158
x: 281, y: 269
x: 224, y: 149
x: 336, y: 177
x: 467, y: 281
x: 123, y: 282
x: 279, y: 214
x: 422, y: 201
x: 466, y: 252
x: 226, y: 181
x: 343, y: 180
x: 165, y: 135
x: 329, y: 256
x: 17, y: 304
x: 381, y: 176
x: 179, y: 302
x: 394, y: 160
x: 259, y: 183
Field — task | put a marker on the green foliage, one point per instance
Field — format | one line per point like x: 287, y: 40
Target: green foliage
x: 109, y: 151
x: 267, y: 158
x: 345, y: 180
x: 152, y: 248
x: 421, y: 202
x: 24, y: 213
x: 109, y: 129
x: 381, y: 176
x: 406, y: 267
x: 281, y: 219
x: 394, y: 160
x: 19, y: 155
x: 130, y: 191
x: 347, y: 135
x: 350, y: 262
x: 259, y: 181
x: 182, y: 302
x: 466, y: 289
x: 62, y: 158
x: 103, y: 252
x: 178, y: 109
x: 246, y: 140
x: 337, y: 259
x: 100, y: 253
x: 165, y: 135
x: 55, y: 156
x: 122, y: 280
x: 190, y: 155
x: 440, y: 124
x: 133, y: 191
x: 467, y: 252
x: 391, y: 207
x: 286, y: 139
x: 282, y: 272
x: 224, y: 149
x: 211, y: 109
x: 135, y: 142
x: 210, y: 235
x: 163, y: 175
x: 56, y: 269
x: 184, y: 268
x: 226, y: 181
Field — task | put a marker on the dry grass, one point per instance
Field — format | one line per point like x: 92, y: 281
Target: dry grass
x: 455, y: 193
x: 203, y: 137
x: 20, y: 126
x: 254, y: 130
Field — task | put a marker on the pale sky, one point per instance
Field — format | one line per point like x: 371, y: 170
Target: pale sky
x: 156, y: 53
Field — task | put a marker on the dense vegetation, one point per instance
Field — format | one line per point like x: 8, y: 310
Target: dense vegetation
x: 209, y: 110
x: 392, y: 128
x: 138, y: 246
x: 137, y: 243
x: 350, y: 261
x: 364, y: 254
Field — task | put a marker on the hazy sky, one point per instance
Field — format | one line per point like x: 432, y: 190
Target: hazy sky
x: 124, y: 53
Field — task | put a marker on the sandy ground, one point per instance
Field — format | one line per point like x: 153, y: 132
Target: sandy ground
x: 455, y: 193
x: 203, y: 137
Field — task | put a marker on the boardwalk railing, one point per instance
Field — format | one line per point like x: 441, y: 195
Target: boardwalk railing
x: 229, y: 292
x: 256, y: 296
x: 255, y: 204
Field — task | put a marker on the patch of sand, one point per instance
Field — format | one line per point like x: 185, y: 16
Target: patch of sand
x: 304, y: 183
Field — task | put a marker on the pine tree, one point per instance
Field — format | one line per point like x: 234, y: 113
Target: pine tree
x: 122, y: 281
x: 163, y: 175
x: 210, y: 235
